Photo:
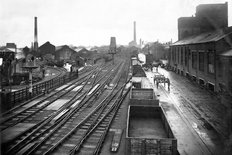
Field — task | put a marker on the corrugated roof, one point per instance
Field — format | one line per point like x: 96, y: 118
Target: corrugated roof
x: 203, y: 38
x: 227, y: 53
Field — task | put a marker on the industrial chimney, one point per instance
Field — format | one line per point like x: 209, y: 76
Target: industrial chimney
x: 135, y: 32
x: 35, y: 36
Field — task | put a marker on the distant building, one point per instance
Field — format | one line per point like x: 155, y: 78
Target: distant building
x: 68, y: 55
x: 11, y: 45
x: 204, y: 49
x: 64, y: 53
x: 7, y: 54
x: 157, y: 50
x: 47, y: 48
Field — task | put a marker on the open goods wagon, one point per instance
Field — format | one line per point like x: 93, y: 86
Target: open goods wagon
x: 148, y: 130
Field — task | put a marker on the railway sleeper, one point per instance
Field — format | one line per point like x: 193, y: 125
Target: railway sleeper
x: 89, y: 146
x: 86, y: 151
x: 104, y: 124
x: 93, y: 140
x: 97, y: 134
x: 100, y: 129
x: 84, y: 127
x: 77, y: 136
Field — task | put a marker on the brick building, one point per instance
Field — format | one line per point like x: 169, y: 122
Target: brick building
x: 204, y: 52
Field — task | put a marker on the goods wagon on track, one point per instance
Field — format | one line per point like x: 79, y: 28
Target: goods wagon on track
x: 148, y: 130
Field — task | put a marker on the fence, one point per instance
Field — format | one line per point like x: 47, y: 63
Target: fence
x: 11, y: 99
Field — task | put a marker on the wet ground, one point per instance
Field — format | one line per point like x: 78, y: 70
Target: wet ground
x: 209, y: 106
x: 200, y: 112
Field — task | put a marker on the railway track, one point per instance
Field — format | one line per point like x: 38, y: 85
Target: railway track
x: 92, y: 141
x: 77, y: 128
x: 16, y: 108
x: 36, y: 108
x: 22, y: 96
x: 51, y: 122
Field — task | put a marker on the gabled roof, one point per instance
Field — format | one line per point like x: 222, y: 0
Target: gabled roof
x: 63, y: 46
x: 47, y: 43
x: 203, y: 38
x: 60, y: 47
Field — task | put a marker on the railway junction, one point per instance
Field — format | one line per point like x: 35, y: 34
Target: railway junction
x: 150, y: 98
x: 82, y: 116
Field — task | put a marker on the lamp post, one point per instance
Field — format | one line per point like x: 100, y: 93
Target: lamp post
x: 30, y: 66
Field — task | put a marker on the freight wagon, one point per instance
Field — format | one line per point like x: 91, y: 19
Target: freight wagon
x: 141, y: 82
x: 134, y: 61
x: 139, y: 79
x: 143, y: 96
x: 148, y: 131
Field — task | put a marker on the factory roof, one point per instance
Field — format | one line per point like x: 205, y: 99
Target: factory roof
x: 203, y: 38
x: 227, y: 53
x: 4, y: 49
x: 60, y: 47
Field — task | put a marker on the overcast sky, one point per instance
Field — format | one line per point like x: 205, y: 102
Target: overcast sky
x: 93, y: 22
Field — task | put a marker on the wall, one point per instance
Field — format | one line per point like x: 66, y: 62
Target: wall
x: 64, y: 53
x: 212, y: 16
x: 209, y: 17
x: 47, y: 48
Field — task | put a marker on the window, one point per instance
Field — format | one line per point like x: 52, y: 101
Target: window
x: 211, y: 62
x: 174, y: 54
x: 194, y: 59
x: 186, y: 56
x: 201, y: 61
x: 182, y: 55
x: 220, y: 68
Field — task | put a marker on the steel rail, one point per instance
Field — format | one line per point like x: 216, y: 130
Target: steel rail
x: 64, y: 120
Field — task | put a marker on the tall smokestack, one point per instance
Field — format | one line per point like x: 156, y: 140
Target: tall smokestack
x: 134, y: 31
x: 35, y: 36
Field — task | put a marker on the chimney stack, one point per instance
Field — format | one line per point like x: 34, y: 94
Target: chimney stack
x: 35, y: 36
x: 134, y: 31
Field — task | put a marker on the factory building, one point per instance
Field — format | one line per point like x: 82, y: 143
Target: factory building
x: 203, y: 51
